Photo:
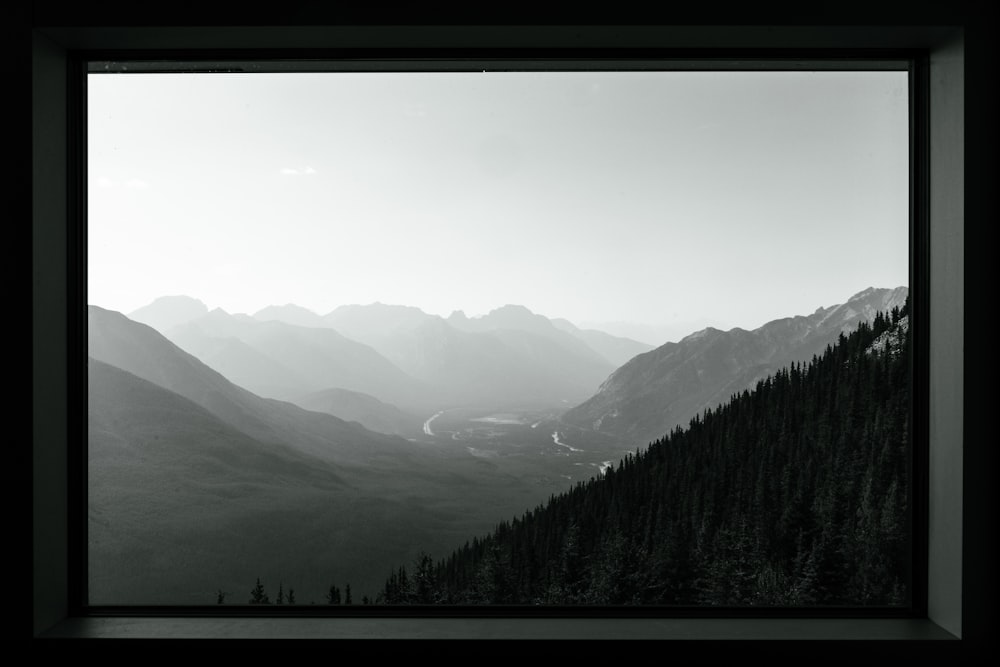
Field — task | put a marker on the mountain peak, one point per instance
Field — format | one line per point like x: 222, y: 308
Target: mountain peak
x: 167, y: 312
x: 290, y: 313
x: 177, y: 299
x: 702, y: 333
x: 377, y: 307
x: 863, y: 294
x: 512, y: 308
x: 376, y: 320
x: 509, y: 316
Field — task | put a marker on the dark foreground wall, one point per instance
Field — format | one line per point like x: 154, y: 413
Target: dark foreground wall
x: 962, y: 554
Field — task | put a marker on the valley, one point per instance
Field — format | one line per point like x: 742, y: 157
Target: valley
x: 531, y: 443
x: 199, y: 485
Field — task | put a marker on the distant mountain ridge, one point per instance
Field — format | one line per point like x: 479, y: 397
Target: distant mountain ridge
x: 518, y: 318
x: 280, y: 360
x: 168, y: 312
x: 510, y: 356
x: 290, y: 314
x: 144, y: 352
x: 661, y: 389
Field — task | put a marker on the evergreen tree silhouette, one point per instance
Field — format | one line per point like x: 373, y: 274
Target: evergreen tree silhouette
x: 257, y: 595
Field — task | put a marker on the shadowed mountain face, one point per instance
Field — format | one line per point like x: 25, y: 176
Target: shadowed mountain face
x: 182, y: 504
x: 198, y: 485
x: 664, y: 388
x: 170, y: 483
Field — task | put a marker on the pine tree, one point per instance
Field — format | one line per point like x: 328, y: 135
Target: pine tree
x: 424, y: 583
x: 333, y: 595
x: 281, y: 594
x: 220, y: 597
x: 347, y: 594
x: 257, y: 595
x: 291, y: 595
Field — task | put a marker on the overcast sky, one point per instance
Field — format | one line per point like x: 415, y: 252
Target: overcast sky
x: 666, y: 198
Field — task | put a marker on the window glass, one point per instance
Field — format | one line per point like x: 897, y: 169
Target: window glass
x: 570, y: 338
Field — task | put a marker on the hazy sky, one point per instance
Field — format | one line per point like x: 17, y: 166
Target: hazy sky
x: 724, y: 198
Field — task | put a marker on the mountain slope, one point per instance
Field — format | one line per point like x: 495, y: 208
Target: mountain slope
x: 243, y: 365
x: 142, y: 351
x: 793, y: 493
x: 664, y: 388
x: 182, y: 504
x: 615, y: 349
x: 184, y: 514
x: 367, y: 410
x: 293, y: 360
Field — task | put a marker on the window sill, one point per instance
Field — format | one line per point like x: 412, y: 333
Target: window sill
x: 910, y: 630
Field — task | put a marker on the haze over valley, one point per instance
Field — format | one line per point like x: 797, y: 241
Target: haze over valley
x: 300, y: 476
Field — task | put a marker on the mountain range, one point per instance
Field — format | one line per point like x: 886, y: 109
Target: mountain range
x: 397, y: 354
x: 142, y: 351
x: 197, y: 485
x: 658, y: 390
x: 281, y: 360
x: 793, y: 493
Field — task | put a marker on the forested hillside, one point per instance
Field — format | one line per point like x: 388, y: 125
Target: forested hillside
x: 794, y: 493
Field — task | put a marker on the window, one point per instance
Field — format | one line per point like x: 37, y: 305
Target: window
x: 641, y: 194
x: 41, y: 56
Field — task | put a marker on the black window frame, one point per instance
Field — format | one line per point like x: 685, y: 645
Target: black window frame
x: 917, y: 44
x: 126, y: 63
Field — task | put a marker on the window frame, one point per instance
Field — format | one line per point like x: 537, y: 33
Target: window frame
x: 54, y: 55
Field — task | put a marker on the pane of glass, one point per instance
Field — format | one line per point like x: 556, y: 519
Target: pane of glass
x: 499, y: 337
